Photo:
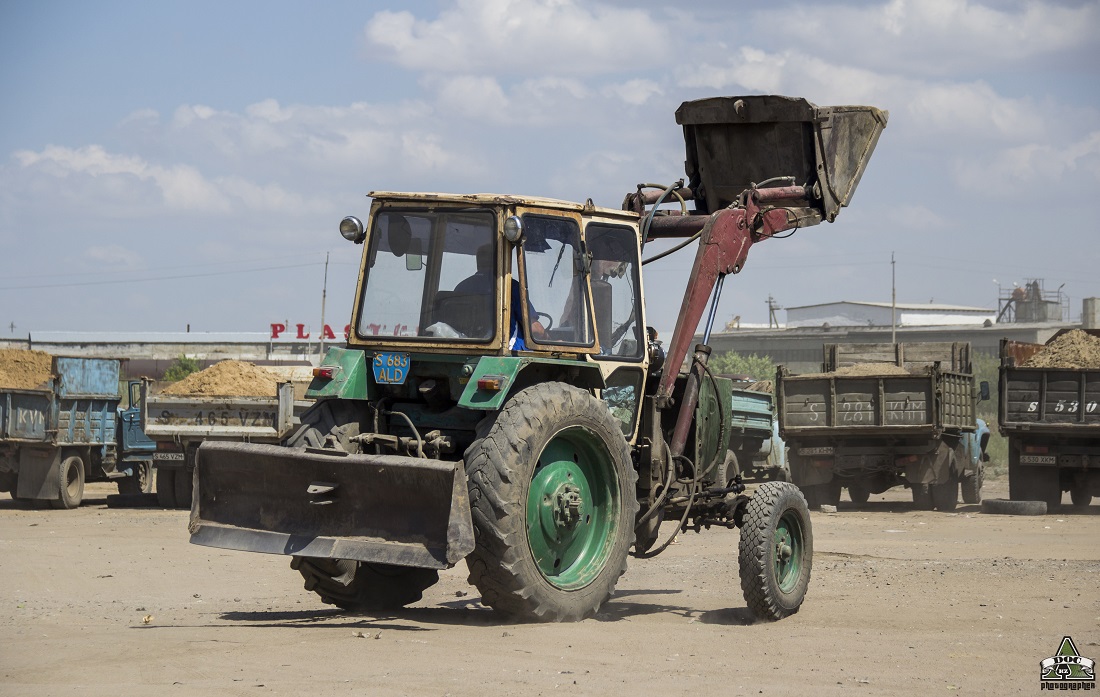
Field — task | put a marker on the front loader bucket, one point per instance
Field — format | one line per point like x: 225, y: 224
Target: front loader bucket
x: 385, y: 509
x: 735, y: 142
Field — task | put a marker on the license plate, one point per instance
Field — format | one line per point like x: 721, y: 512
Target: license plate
x: 168, y: 456
x: 1038, y: 459
x: 824, y: 450
x: 391, y: 368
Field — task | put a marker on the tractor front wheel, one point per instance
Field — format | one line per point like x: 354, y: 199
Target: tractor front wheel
x: 776, y: 551
x: 357, y: 586
x: 552, y: 494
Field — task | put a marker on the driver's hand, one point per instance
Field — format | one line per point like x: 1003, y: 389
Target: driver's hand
x: 538, y: 331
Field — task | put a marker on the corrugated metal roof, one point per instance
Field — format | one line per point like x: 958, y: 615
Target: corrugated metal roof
x: 929, y: 307
x: 63, y: 337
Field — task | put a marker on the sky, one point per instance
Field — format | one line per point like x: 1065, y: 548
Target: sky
x: 166, y: 165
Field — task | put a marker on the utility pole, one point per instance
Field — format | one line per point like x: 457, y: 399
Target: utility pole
x: 772, y: 307
x: 893, y: 302
x: 324, y: 293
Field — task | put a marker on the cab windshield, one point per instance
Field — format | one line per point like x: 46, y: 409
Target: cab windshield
x: 430, y: 275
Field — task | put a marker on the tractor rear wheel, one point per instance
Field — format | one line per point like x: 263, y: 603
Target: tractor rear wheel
x: 354, y: 585
x: 776, y: 551
x: 553, y: 501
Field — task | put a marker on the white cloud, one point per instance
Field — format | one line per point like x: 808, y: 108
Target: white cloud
x: 936, y: 37
x: 1037, y: 167
x: 550, y: 37
x: 114, y: 256
x: 926, y: 108
x: 634, y: 92
x: 182, y: 187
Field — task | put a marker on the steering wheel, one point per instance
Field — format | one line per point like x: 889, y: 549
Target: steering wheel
x: 549, y: 324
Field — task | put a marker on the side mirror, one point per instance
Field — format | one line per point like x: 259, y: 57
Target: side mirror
x: 983, y: 389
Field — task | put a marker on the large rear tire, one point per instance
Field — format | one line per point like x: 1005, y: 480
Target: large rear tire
x: 553, y: 501
x: 359, y: 586
x: 972, y: 486
x: 1031, y: 482
x: 775, y: 554
x: 945, y: 495
x: 348, y: 584
x: 184, y: 487
x: 858, y: 492
x: 71, y: 483
x: 166, y: 487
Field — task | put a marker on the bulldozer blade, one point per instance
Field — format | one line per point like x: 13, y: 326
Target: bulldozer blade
x: 384, y: 509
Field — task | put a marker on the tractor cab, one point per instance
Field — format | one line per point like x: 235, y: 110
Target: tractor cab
x: 454, y: 289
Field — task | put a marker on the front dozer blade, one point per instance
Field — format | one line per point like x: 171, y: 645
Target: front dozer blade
x: 383, y: 509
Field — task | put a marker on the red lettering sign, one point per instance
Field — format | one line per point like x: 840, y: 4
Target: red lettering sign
x: 277, y: 329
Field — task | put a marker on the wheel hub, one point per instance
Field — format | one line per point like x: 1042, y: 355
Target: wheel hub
x: 567, y: 512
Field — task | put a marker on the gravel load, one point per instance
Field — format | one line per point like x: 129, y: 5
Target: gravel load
x: 1074, y: 349
x: 21, y: 369
x: 227, y: 379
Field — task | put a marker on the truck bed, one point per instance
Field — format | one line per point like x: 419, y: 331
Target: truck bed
x: 875, y: 405
x: 173, y: 418
x: 1051, y: 400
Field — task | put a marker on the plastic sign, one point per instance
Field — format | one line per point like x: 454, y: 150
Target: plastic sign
x: 279, y: 332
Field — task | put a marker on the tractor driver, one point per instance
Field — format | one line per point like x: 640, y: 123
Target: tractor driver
x: 483, y: 281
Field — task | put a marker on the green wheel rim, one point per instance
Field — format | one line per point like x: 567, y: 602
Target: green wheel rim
x: 788, y: 545
x: 572, y: 508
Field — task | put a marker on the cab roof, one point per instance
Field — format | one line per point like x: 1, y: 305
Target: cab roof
x: 502, y: 200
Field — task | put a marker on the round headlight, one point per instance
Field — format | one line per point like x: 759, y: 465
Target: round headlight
x: 513, y: 229
x: 352, y: 229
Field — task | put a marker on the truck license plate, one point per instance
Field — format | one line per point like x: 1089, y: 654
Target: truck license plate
x: 823, y: 450
x: 168, y: 456
x: 391, y: 368
x: 1038, y: 459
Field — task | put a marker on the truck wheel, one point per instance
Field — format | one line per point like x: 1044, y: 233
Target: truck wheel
x: 922, y: 497
x: 553, y: 501
x: 71, y: 480
x: 166, y: 487
x: 776, y: 551
x: 1079, y: 493
x: 1031, y: 483
x: 184, y: 487
x: 353, y: 585
x: 972, y: 486
x: 945, y: 496
x: 858, y: 492
x: 141, y: 482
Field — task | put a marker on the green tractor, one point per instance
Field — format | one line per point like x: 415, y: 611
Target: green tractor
x: 501, y: 399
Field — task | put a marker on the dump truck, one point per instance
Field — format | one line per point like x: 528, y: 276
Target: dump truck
x: 885, y: 415
x: 1049, y: 410
x: 71, y: 430
x: 756, y: 451
x: 501, y: 400
x: 179, y: 424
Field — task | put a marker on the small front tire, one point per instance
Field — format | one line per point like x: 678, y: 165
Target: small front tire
x: 775, y: 554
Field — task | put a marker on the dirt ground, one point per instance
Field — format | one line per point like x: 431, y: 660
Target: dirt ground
x: 114, y: 602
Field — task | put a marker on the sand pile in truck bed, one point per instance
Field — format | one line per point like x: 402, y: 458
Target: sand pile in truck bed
x: 1074, y: 349
x: 21, y: 369
x: 864, y: 369
x: 227, y: 379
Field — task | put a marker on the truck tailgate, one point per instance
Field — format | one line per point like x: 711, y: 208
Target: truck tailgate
x: 1050, y: 399
x: 858, y: 405
x: 168, y: 417
x: 24, y: 414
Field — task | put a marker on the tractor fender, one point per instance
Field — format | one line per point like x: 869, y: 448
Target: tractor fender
x: 496, y: 377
